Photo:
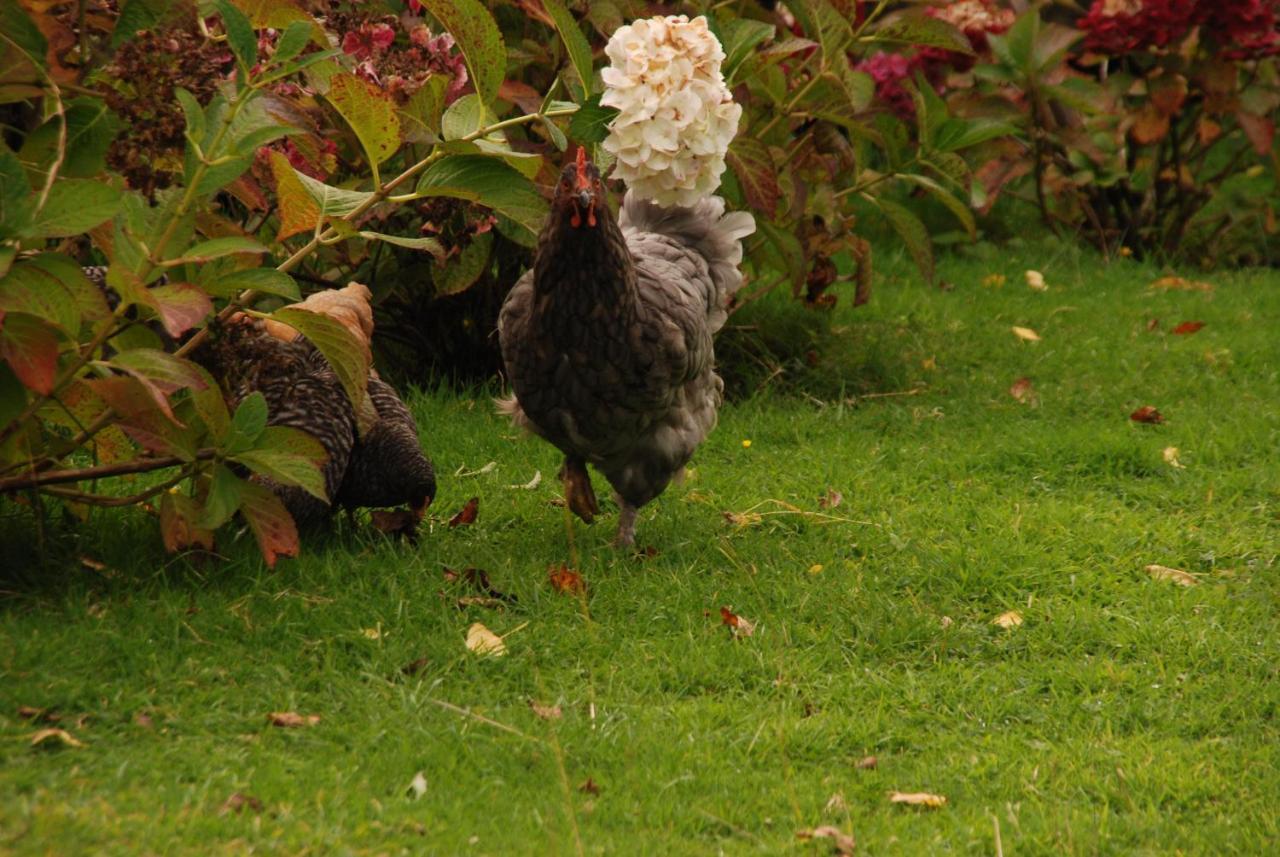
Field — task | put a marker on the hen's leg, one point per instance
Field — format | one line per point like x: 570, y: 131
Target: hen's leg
x: 577, y: 489
x: 626, y: 536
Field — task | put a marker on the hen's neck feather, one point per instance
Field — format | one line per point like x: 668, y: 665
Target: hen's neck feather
x: 584, y: 260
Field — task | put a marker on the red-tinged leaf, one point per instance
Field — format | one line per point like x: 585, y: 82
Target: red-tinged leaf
x: 831, y: 499
x: 1168, y: 92
x: 161, y: 369
x: 30, y: 347
x: 299, y: 211
x: 181, y: 306
x: 371, y: 113
x: 590, y: 787
x: 1150, y: 126
x: 566, y: 580
x: 272, y: 526
x: 1187, y: 328
x: 1260, y: 130
x: 467, y: 516
x: 752, y: 163
x: 1023, y: 391
x: 1147, y: 414
x: 178, y: 514
x: 740, y: 626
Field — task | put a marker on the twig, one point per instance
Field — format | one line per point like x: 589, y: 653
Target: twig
x: 102, y: 500
x: 119, y: 468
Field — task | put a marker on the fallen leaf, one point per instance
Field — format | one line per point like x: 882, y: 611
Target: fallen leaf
x: 831, y: 499
x: 482, y: 641
x: 1171, y: 458
x: 143, y: 719
x: 292, y: 720
x: 841, y: 843
x: 1187, y: 327
x: 1010, y: 619
x: 1179, y: 284
x: 532, y: 483
x: 478, y: 578
x: 93, y: 564
x: 1153, y: 324
x: 546, y: 712
x: 372, y: 633
x: 1035, y: 281
x: 396, y: 522
x: 1025, y: 333
x: 566, y: 580
x: 237, y: 803
x: 44, y: 715
x: 415, y: 666
x: 993, y: 281
x: 1147, y: 414
x: 743, y: 519
x: 918, y: 799
x: 816, y: 568
x: 866, y: 763
x: 929, y: 364
x: 946, y: 622
x: 1172, y: 575
x: 589, y: 787
x: 60, y: 736
x: 1022, y: 390
x: 417, y: 786
x: 740, y: 626
x: 468, y: 514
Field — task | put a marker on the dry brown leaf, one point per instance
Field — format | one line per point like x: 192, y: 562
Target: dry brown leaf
x: 1035, y: 281
x: 566, y: 580
x: 929, y: 364
x: 1153, y: 324
x: 1009, y: 619
x: 348, y: 306
x: 918, y: 799
x: 238, y: 802
x: 1022, y: 390
x: 1025, y: 333
x: 415, y: 666
x: 1172, y: 575
x: 1171, y: 458
x: 740, y: 626
x: 1147, y: 414
x: 590, y: 787
x: 482, y: 641
x: 58, y: 736
x: 866, y: 763
x: 1187, y: 327
x: 467, y: 516
x: 478, y: 578
x: 292, y: 719
x: 43, y: 715
x: 93, y: 564
x: 831, y: 499
x: 1179, y: 284
x: 841, y: 843
x: 546, y: 712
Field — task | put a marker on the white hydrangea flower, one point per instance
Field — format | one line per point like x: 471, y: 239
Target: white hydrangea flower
x: 676, y: 116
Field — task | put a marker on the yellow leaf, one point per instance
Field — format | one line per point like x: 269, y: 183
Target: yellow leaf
x: 299, y: 211
x: 62, y: 736
x: 1010, y: 619
x: 929, y: 364
x: 1180, y: 284
x: 918, y: 799
x: 370, y: 112
x: 1171, y: 458
x: 1026, y: 334
x: 1172, y: 575
x: 993, y: 281
x: 482, y: 641
x: 1035, y: 281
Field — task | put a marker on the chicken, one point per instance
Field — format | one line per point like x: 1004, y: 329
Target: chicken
x: 607, y: 341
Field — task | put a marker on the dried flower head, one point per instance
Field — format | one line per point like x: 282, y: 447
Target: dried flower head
x: 676, y: 115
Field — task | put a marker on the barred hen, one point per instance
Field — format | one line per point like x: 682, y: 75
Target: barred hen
x: 607, y: 341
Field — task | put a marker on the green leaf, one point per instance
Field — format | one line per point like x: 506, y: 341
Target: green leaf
x: 741, y: 35
x: 240, y: 35
x: 292, y: 41
x: 223, y: 498
x: 248, y: 423
x: 90, y: 130
x: 574, y: 42
x: 348, y: 357
x: 752, y: 163
x: 489, y: 182
x: 558, y: 139
x: 420, y: 118
x: 333, y: 201
x: 138, y: 15
x: 30, y: 346
x: 23, y: 50
x: 858, y: 86
x: 917, y: 29
x: 913, y: 233
x: 370, y: 112
x: 268, y: 281
x: 783, y: 251
x: 166, y: 371
x: 288, y: 456
x: 942, y: 195
x: 15, y: 194
x: 180, y: 306
x: 1014, y: 47
x: 479, y: 39
x: 7, y: 255
x: 211, y: 406
x: 591, y: 123
x: 73, y: 207
x: 216, y: 248
x: 955, y: 134
x: 464, y: 269
x: 465, y: 116
x: 52, y: 288
x: 219, y: 176
x: 431, y: 245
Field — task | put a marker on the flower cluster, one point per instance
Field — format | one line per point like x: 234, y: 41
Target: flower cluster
x: 676, y: 117
x: 976, y: 19
x: 1238, y: 28
x: 401, y: 70
x: 888, y: 71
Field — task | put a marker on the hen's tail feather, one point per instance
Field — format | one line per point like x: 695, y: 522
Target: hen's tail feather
x: 509, y: 406
x: 705, y: 227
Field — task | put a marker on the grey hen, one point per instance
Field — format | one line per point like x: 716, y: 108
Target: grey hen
x: 607, y: 341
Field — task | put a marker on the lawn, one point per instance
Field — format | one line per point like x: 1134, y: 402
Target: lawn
x: 1125, y: 714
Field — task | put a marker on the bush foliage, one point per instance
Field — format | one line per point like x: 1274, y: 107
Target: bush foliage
x: 231, y: 155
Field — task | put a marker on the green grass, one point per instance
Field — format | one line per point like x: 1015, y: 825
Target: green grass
x: 1125, y: 715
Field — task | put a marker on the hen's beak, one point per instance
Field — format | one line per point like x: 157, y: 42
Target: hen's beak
x: 584, y: 201
x: 585, y: 198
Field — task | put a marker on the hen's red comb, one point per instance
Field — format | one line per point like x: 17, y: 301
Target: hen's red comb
x: 582, y: 158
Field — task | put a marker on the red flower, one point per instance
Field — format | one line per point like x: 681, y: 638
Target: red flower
x: 888, y: 71
x: 367, y: 41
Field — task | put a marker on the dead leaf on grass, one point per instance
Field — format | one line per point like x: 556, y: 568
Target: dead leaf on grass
x: 396, y: 522
x: 417, y: 786
x: 1172, y: 575
x: 415, y: 666
x: 93, y: 564
x: 1187, y: 327
x: 1026, y: 334
x: 292, y: 719
x: 1171, y: 458
x: 1147, y: 414
x: 918, y: 799
x: 566, y: 580
x: 738, y: 625
x: 43, y: 715
x: 1153, y: 325
x: 479, y: 579
x: 866, y: 763
x: 238, y: 802
x: 841, y: 843
x: 590, y: 787
x: 467, y: 516
x: 1180, y: 284
x: 54, y: 737
x: 546, y: 712
x: 143, y: 719
x: 1022, y: 390
x: 1035, y: 281
x: 831, y: 499
x: 482, y: 641
x: 1009, y: 619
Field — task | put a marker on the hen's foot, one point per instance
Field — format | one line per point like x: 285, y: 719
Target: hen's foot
x: 578, y: 492
x: 626, y: 536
